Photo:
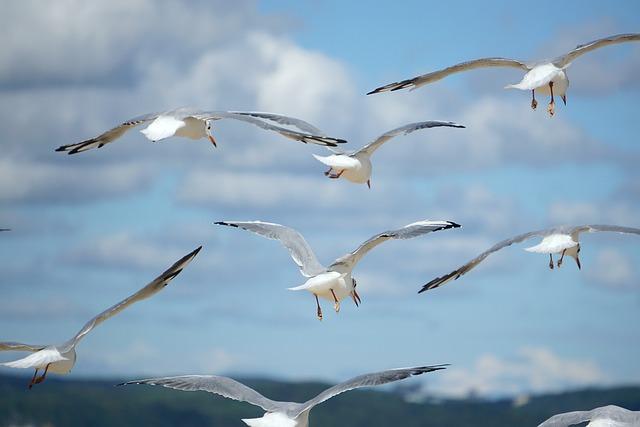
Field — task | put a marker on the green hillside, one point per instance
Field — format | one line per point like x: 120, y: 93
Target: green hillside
x: 99, y: 403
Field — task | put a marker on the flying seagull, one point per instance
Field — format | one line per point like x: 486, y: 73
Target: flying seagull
x: 61, y: 358
x: 333, y: 283
x: 356, y: 166
x: 280, y: 414
x: 605, y: 416
x: 562, y: 240
x: 196, y: 124
x: 546, y: 76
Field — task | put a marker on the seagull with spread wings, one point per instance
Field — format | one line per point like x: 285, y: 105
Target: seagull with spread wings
x: 333, y: 283
x: 61, y: 358
x: 563, y: 241
x: 356, y: 166
x: 196, y: 124
x: 605, y: 416
x: 547, y: 76
x: 280, y: 414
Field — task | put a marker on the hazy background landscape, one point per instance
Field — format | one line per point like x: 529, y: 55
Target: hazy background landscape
x: 90, y: 229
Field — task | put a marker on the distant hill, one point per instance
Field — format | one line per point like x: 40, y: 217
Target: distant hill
x: 98, y: 403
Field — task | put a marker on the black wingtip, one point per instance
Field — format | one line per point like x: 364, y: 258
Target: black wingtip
x: 61, y: 148
x: 454, y: 224
x: 341, y: 141
x: 228, y: 224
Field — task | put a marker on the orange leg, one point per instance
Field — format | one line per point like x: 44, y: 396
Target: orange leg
x: 319, y: 309
x: 33, y: 380
x: 552, y: 104
x: 336, y: 305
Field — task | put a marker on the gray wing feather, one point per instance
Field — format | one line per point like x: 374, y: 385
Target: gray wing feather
x: 288, y: 133
x: 610, y: 412
x: 18, y: 346
x: 407, y: 232
x: 222, y: 386
x: 149, y: 290
x: 367, y: 380
x: 283, y: 120
x: 297, y: 246
x: 611, y: 228
x: 568, y: 58
x: 454, y: 275
x: 108, y: 136
x: 424, y: 79
x: 405, y: 130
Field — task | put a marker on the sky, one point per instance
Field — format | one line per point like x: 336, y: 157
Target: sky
x: 90, y: 229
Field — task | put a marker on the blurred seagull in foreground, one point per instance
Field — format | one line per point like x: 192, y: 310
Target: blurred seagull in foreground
x: 558, y: 240
x: 333, y: 283
x: 356, y: 166
x: 60, y: 359
x: 280, y: 414
x: 196, y: 124
x: 605, y: 416
x: 547, y: 76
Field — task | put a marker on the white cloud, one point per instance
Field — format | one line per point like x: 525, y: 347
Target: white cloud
x: 613, y: 268
x: 533, y: 369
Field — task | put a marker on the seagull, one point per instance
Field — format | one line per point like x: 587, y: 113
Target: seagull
x: 280, y: 414
x: 333, y: 283
x: 61, y: 358
x: 196, y: 124
x: 356, y: 166
x: 548, y: 76
x: 563, y: 240
x: 605, y: 416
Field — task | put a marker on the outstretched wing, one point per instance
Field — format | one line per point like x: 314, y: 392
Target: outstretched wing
x: 283, y: 120
x: 565, y: 60
x: 424, y: 79
x: 454, y: 275
x: 151, y: 289
x: 611, y: 413
x: 107, y: 137
x: 288, y: 133
x: 367, y: 380
x: 222, y: 386
x: 298, y: 248
x: 405, y: 130
x: 594, y: 228
x: 407, y: 232
x: 18, y: 346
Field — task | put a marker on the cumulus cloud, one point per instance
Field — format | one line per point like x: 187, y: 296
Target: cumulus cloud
x: 531, y: 370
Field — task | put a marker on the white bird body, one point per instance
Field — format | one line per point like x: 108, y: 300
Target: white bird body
x: 605, y: 423
x: 538, y: 79
x: 555, y: 243
x: 324, y: 283
x: 60, y: 359
x: 277, y: 419
x: 605, y: 416
x: 166, y: 126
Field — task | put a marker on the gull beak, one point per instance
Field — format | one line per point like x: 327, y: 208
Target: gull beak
x: 356, y: 298
x: 578, y: 262
x: 213, y: 141
x: 369, y: 184
x: 564, y: 99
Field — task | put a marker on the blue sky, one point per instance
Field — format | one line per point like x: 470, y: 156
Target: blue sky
x: 90, y: 229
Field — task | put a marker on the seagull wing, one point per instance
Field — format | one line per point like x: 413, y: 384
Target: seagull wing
x: 565, y: 60
x: 222, y: 386
x: 108, y: 136
x: 18, y: 346
x: 149, y: 290
x: 609, y: 413
x: 367, y: 380
x: 298, y: 248
x: 439, y: 281
x: 288, y: 133
x: 601, y: 227
x: 407, y: 232
x: 283, y: 120
x: 405, y: 130
x: 424, y: 79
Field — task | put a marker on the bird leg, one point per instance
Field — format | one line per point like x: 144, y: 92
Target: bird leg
x: 336, y: 305
x: 33, y: 380
x: 369, y: 184
x: 551, y: 261
x: 328, y: 172
x: 561, y: 258
x: 552, y: 104
x: 319, y: 313
x: 534, y: 103
x: 41, y: 379
x: 335, y: 175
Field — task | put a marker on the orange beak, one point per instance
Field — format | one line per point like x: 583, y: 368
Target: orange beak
x: 356, y: 298
x: 213, y: 141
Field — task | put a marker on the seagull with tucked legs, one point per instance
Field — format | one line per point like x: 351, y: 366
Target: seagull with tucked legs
x: 356, y: 166
x: 61, y: 358
x: 562, y: 241
x: 333, y: 283
x: 548, y: 77
x: 605, y: 416
x: 280, y: 414
x: 196, y: 124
